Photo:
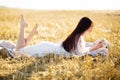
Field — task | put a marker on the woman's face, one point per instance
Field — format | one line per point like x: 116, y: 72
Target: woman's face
x: 90, y: 28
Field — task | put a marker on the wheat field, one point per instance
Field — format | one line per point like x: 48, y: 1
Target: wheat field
x: 55, y: 26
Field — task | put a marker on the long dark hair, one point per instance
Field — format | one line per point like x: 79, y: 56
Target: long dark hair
x: 71, y: 41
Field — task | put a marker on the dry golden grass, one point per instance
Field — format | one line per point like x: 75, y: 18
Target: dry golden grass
x: 55, y: 26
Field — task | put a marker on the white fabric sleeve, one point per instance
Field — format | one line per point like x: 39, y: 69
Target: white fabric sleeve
x: 83, y: 52
x: 88, y: 44
x: 86, y: 51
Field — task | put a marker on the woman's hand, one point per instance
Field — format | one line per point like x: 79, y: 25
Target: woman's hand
x: 97, y: 46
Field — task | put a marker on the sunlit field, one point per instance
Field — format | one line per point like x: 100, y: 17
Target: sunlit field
x: 55, y: 26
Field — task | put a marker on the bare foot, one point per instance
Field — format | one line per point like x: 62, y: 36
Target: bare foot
x: 35, y: 29
x: 31, y: 34
x: 23, y: 22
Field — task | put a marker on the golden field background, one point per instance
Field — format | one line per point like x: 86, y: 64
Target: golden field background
x: 55, y: 26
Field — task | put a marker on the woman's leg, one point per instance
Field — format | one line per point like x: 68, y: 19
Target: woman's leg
x: 31, y: 34
x: 21, y: 40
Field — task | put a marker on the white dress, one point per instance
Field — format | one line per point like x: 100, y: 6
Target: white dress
x: 44, y: 48
x: 7, y: 44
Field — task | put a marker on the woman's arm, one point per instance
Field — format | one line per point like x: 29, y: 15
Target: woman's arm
x: 97, y: 46
x: 87, y: 50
